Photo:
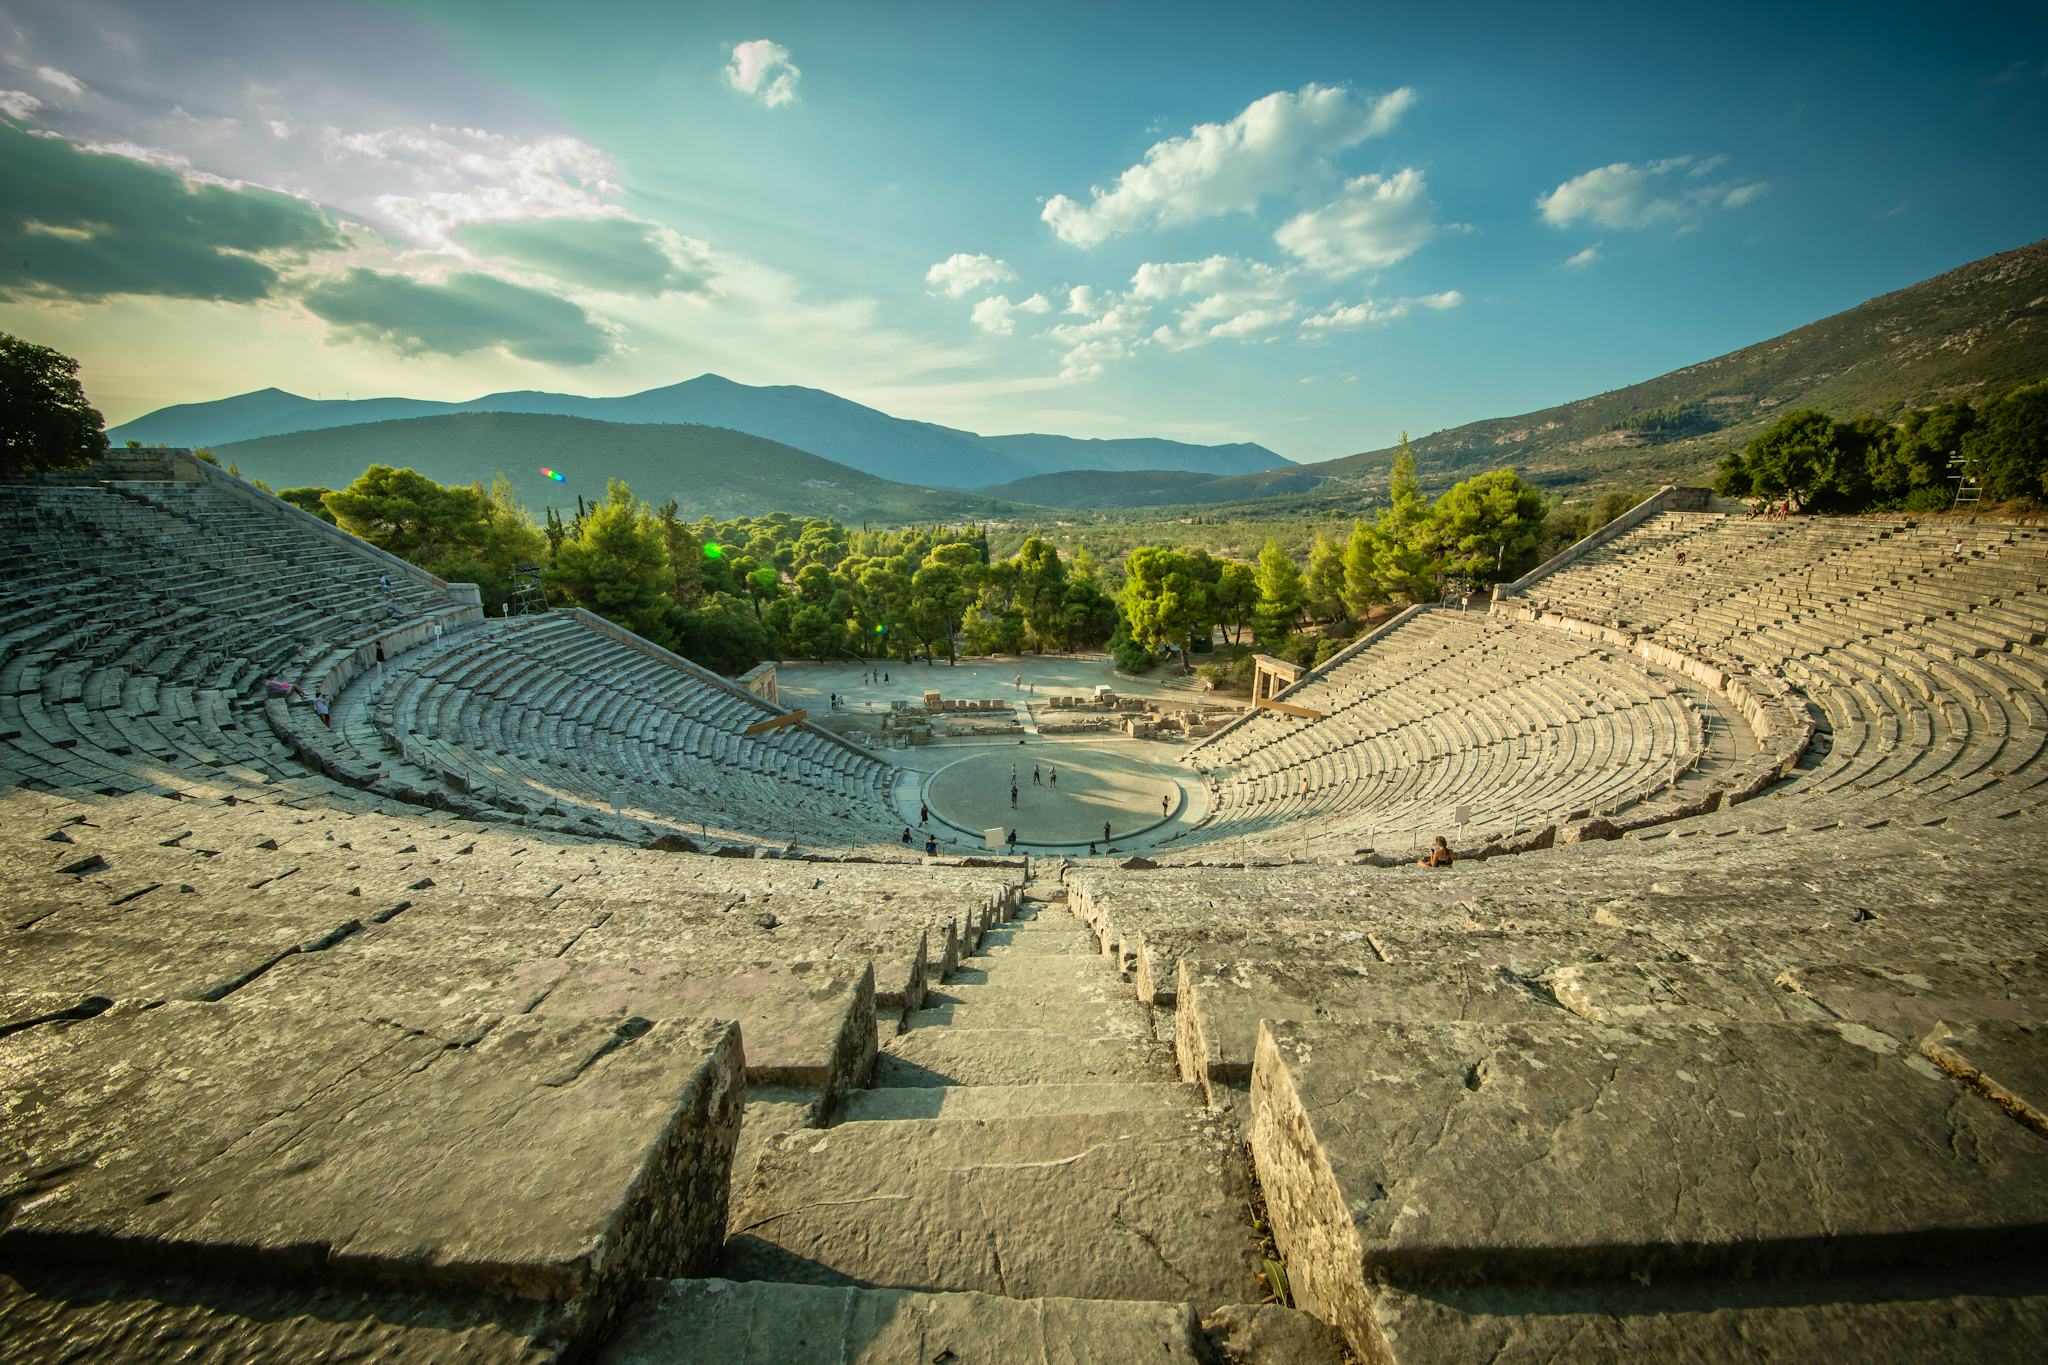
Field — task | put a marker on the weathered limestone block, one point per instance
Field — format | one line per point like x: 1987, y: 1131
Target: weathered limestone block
x: 756, y: 1323
x: 1104, y: 1205
x: 1635, y: 992
x: 1907, y: 998
x: 547, y: 1160
x: 68, y: 1314
x: 146, y: 956
x: 2007, y: 1062
x: 1563, y: 1151
x: 1223, y: 999
x: 804, y: 1023
x: 1979, y: 1312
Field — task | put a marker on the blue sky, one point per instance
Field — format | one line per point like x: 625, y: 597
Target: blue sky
x: 1309, y: 226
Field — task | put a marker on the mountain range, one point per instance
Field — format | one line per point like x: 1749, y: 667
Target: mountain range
x: 709, y: 470
x: 838, y: 429
x: 1974, y: 331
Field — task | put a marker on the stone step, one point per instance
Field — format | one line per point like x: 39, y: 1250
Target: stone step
x: 755, y: 1323
x: 1115, y: 1206
x: 1036, y: 1010
x: 1017, y: 1056
x: 1051, y: 974
x: 1099, y: 987
x: 1011, y: 1101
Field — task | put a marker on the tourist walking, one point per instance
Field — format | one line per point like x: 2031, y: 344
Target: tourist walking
x: 1165, y: 805
x: 924, y: 813
x: 1013, y: 841
x: 380, y: 658
x: 1053, y: 777
x: 1036, y: 780
x: 320, y: 707
x: 1105, y: 831
x: 1013, y: 796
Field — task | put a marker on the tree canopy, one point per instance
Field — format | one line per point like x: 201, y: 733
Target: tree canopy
x: 45, y: 420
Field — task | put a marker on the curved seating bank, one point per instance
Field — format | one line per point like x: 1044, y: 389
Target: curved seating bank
x: 424, y: 1035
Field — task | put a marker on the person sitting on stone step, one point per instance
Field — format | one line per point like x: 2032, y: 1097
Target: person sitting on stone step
x: 1439, y: 856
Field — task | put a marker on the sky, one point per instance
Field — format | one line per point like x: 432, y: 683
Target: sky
x: 1309, y: 226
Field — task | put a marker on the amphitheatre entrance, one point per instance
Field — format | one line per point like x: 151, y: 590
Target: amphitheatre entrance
x: 1094, y: 787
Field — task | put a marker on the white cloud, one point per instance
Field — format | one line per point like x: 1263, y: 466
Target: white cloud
x: 18, y: 104
x: 69, y: 84
x: 994, y: 314
x: 1375, y: 222
x: 1112, y: 336
x: 1086, y: 301
x: 1214, y: 275
x: 763, y: 69
x: 1625, y: 195
x: 1277, y: 143
x: 961, y: 273
x: 460, y: 176
x: 1372, y: 313
x: 1579, y: 260
x: 278, y: 128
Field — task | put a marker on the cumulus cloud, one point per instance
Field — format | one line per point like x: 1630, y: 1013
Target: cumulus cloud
x: 1213, y: 275
x: 612, y: 255
x: 763, y: 69
x: 466, y: 312
x: 1276, y: 144
x: 69, y: 84
x: 462, y: 176
x: 962, y: 273
x: 1625, y: 195
x: 1373, y: 313
x: 87, y: 226
x: 1579, y: 260
x: 1086, y: 301
x: 995, y: 314
x: 1112, y: 335
x: 18, y: 104
x: 1375, y: 222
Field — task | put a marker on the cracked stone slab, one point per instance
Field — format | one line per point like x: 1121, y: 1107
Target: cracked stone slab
x: 146, y: 956
x: 554, y: 1160
x: 2007, y: 1062
x: 755, y: 1323
x: 65, y: 1314
x: 1908, y: 997
x: 1108, y: 1206
x: 1633, y: 992
x: 1017, y: 1056
x: 1569, y: 1150
x: 802, y: 1023
x: 1223, y: 999
x: 1995, y: 1313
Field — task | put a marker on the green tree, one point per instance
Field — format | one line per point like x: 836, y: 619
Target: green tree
x: 1362, y: 586
x: 408, y: 514
x: 45, y: 420
x: 1486, y: 528
x: 1405, y: 564
x: 2008, y: 449
x: 721, y: 634
x: 1041, y: 587
x: 938, y: 599
x: 1794, y: 457
x: 309, y: 499
x: 1234, y: 598
x: 1913, y: 470
x: 1166, y: 597
x: 617, y: 565
x: 1323, y: 583
x: 1281, y: 595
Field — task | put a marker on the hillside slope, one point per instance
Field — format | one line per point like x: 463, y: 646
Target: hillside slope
x: 825, y: 424
x: 1092, y: 489
x: 706, y: 469
x: 1973, y: 331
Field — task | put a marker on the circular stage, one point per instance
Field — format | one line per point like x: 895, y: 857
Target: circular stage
x: 1096, y: 786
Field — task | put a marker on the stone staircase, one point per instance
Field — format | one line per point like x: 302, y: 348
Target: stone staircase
x: 1028, y: 1179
